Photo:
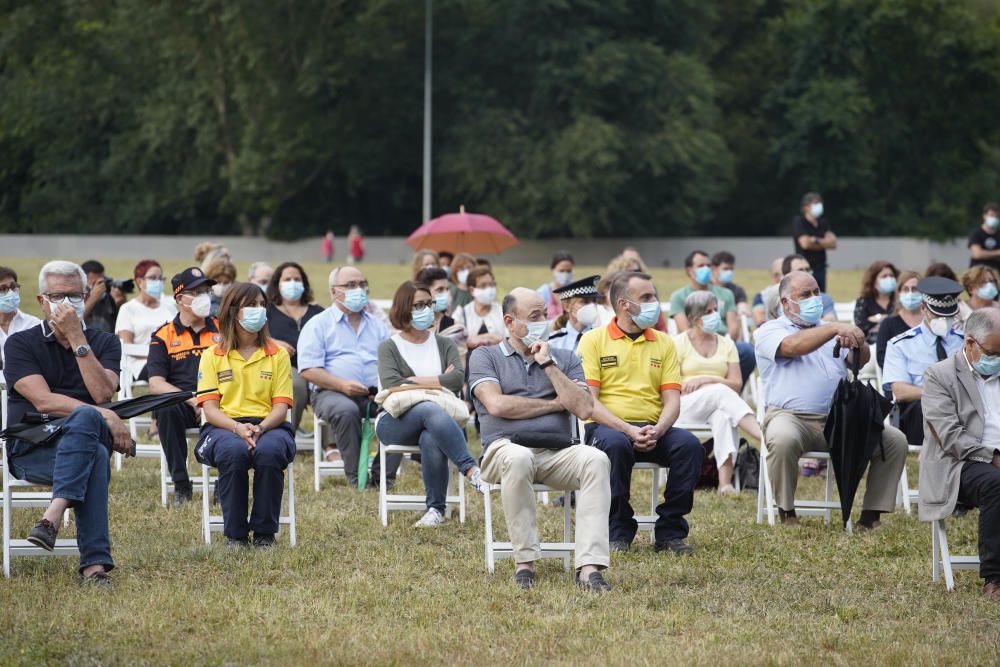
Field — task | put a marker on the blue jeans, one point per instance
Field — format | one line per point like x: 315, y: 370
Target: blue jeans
x: 679, y: 450
x: 228, y: 452
x: 78, y: 468
x: 440, y: 440
x: 748, y: 360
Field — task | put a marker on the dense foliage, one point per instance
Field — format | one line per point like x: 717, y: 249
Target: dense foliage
x: 560, y: 117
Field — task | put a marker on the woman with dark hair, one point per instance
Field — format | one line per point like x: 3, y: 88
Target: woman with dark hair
x: 250, y: 378
x: 877, y: 301
x: 289, y: 307
x: 906, y: 315
x: 562, y: 265
x: 416, y: 356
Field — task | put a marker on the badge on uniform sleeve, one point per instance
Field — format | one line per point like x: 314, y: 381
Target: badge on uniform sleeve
x: 265, y: 375
x: 655, y: 363
x: 609, y: 362
x: 225, y: 376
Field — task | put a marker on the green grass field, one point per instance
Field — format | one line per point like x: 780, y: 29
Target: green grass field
x: 352, y: 592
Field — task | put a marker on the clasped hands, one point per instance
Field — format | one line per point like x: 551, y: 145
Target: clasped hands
x: 249, y: 432
x: 644, y: 438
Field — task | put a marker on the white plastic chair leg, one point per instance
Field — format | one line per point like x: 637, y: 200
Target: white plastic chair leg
x: 488, y: 523
x: 205, y: 505
x: 317, y: 450
x: 566, y: 527
x: 461, y: 496
x: 292, y: 537
x: 904, y: 491
x: 383, y: 505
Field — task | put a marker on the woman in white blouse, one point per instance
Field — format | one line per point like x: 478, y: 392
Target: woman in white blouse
x: 482, y: 318
x: 148, y: 311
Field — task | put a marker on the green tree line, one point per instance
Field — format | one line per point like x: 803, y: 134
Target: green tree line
x: 583, y: 118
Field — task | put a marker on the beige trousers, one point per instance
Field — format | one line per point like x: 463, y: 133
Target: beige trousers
x: 789, y: 433
x: 579, y: 468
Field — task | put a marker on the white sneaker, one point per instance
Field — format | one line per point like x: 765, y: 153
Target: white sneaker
x: 431, y: 519
x: 728, y: 490
x: 476, y: 480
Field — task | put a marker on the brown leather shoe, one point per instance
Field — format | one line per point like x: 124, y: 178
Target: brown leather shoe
x: 788, y: 518
x: 991, y: 589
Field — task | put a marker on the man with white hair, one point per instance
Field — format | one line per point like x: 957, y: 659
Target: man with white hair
x: 800, y: 375
x: 260, y: 274
x: 61, y: 368
x: 338, y: 356
x: 960, y: 461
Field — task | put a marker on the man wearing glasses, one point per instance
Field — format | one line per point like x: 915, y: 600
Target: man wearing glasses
x: 62, y: 368
x: 338, y: 356
x: 773, y: 302
x: 12, y: 318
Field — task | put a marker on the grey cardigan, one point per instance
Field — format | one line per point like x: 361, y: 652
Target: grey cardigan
x: 393, y: 370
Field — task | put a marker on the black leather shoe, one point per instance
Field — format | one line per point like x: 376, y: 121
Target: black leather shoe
x: 595, y: 583
x: 183, y: 493
x: 525, y: 579
x: 44, y: 535
x: 263, y: 541
x: 676, y: 546
x: 98, y: 579
x: 620, y: 546
x: 233, y: 543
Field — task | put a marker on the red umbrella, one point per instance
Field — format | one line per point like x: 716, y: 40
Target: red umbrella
x: 463, y: 232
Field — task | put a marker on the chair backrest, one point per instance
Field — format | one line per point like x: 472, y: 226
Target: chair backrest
x: 745, y: 328
x: 125, y: 379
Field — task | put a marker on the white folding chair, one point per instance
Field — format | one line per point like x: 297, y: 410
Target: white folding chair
x: 941, y: 558
x: 388, y: 502
x: 496, y: 550
x: 20, y: 494
x: 126, y: 389
x: 322, y: 467
x: 765, y: 492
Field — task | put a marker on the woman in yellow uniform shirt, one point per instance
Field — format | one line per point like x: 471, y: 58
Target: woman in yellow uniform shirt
x: 245, y: 416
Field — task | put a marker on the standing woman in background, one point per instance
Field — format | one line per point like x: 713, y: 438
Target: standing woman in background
x: 328, y: 246
x: 355, y: 245
x: 246, y: 417
x: 289, y: 307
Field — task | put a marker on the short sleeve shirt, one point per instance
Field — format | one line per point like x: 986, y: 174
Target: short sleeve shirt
x: 328, y: 341
x: 286, y: 329
x: 739, y: 294
x: 175, y: 350
x: 36, y: 351
x: 522, y: 377
x: 142, y: 320
x: 986, y: 241
x: 805, y: 383
x: 692, y: 364
x: 630, y: 374
x: 908, y: 355
x: 802, y: 227
x: 725, y: 297
x: 246, y: 387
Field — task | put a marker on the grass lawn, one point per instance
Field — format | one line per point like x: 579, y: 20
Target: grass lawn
x: 352, y: 592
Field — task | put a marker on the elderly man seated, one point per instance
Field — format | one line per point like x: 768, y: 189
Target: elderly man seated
x: 960, y: 461
x: 800, y: 376
x: 524, y: 389
x: 338, y: 356
x: 61, y: 368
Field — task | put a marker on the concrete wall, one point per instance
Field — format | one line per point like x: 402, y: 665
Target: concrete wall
x: 855, y: 252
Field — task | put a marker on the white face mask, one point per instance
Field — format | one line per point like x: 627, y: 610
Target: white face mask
x: 77, y: 307
x: 587, y: 314
x: 219, y: 290
x: 201, y: 305
x: 485, y: 296
x: 940, y: 326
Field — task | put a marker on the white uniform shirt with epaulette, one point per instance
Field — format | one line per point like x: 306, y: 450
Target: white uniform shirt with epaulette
x: 909, y: 354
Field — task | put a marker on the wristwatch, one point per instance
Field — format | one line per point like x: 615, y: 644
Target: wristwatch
x: 550, y: 362
x: 82, y: 350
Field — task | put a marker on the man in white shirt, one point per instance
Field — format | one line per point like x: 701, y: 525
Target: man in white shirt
x: 12, y: 318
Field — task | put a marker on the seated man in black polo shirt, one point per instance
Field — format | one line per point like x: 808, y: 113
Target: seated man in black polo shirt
x: 174, y: 353
x: 59, y: 368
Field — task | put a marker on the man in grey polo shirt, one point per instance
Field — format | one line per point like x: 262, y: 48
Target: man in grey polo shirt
x: 521, y: 386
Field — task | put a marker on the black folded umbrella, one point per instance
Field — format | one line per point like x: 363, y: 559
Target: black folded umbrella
x: 853, y: 431
x: 39, y: 428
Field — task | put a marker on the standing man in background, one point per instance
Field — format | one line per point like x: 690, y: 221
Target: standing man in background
x: 984, y: 241
x: 812, y: 236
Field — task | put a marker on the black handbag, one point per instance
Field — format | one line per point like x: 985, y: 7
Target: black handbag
x: 748, y: 465
x: 544, y: 439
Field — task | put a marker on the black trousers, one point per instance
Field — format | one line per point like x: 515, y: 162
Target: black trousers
x: 911, y: 422
x: 980, y: 487
x: 172, y: 422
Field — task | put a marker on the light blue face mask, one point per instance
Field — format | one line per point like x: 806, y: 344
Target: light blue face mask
x: 887, y: 285
x: 911, y: 300
x: 422, y: 319
x: 441, y: 302
x: 10, y: 301
x: 710, y: 323
x: 537, y: 331
x: 648, y: 315
x: 992, y: 221
x: 254, y: 318
x: 154, y: 288
x: 355, y: 300
x: 816, y: 209
x: 726, y: 276
x: 291, y: 289
x: 703, y: 275
x: 810, y: 309
x: 987, y: 291
x: 988, y: 364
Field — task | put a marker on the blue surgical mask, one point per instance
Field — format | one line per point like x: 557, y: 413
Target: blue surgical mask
x: 291, y: 289
x: 422, y: 319
x: 648, y: 315
x: 887, y: 285
x: 703, y: 275
x: 710, y: 323
x: 988, y: 365
x: 441, y: 302
x: 355, y: 300
x: 810, y: 309
x: 154, y: 288
x: 562, y: 277
x: 536, y: 331
x: 911, y: 300
x: 10, y: 301
x: 988, y: 291
x: 254, y: 318
x: 726, y: 276
x: 816, y: 209
x: 992, y: 222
